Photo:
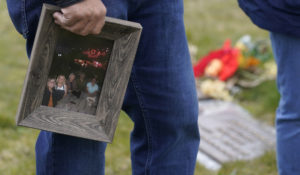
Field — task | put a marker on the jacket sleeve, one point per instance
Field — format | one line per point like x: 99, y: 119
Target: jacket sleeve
x: 65, y: 3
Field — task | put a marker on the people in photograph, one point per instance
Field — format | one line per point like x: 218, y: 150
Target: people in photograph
x: 61, y: 87
x: 50, y: 98
x: 92, y: 88
x: 72, y: 85
x: 81, y: 82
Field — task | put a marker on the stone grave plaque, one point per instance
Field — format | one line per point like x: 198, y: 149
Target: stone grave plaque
x: 229, y: 133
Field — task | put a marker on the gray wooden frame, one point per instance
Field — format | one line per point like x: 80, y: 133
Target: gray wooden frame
x: 101, y: 126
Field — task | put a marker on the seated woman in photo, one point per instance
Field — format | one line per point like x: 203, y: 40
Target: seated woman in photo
x: 92, y: 88
x: 81, y: 82
x: 61, y: 87
x: 72, y: 85
x: 92, y: 91
x: 50, y: 95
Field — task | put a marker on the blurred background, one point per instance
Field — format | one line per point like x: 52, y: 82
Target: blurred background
x: 208, y: 25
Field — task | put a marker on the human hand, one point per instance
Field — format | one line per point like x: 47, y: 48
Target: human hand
x: 83, y: 18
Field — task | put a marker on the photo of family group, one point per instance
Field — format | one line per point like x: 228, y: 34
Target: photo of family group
x: 77, y: 73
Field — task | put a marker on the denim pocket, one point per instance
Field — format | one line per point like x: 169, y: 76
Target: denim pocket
x: 17, y: 13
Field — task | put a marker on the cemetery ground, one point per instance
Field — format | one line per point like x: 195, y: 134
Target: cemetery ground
x: 208, y: 24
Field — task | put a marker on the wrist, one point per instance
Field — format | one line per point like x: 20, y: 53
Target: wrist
x: 66, y: 3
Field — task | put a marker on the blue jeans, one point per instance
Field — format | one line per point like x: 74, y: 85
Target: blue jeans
x: 160, y: 99
x: 287, y: 55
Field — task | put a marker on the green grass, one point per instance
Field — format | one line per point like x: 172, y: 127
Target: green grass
x: 17, y: 144
x: 261, y: 101
x: 264, y: 165
x: 208, y: 24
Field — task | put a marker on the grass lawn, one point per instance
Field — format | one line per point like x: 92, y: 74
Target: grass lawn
x: 208, y: 24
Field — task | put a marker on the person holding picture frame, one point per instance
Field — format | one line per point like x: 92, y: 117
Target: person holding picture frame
x: 282, y: 19
x: 161, y: 95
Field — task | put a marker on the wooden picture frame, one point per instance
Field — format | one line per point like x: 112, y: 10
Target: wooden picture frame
x: 125, y: 36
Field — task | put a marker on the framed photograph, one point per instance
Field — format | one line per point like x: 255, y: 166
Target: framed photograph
x: 75, y: 85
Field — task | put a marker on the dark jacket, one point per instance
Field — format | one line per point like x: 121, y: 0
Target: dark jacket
x: 281, y: 16
x: 72, y: 86
x: 46, y: 97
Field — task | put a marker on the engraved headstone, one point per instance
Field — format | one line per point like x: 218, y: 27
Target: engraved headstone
x: 229, y: 133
